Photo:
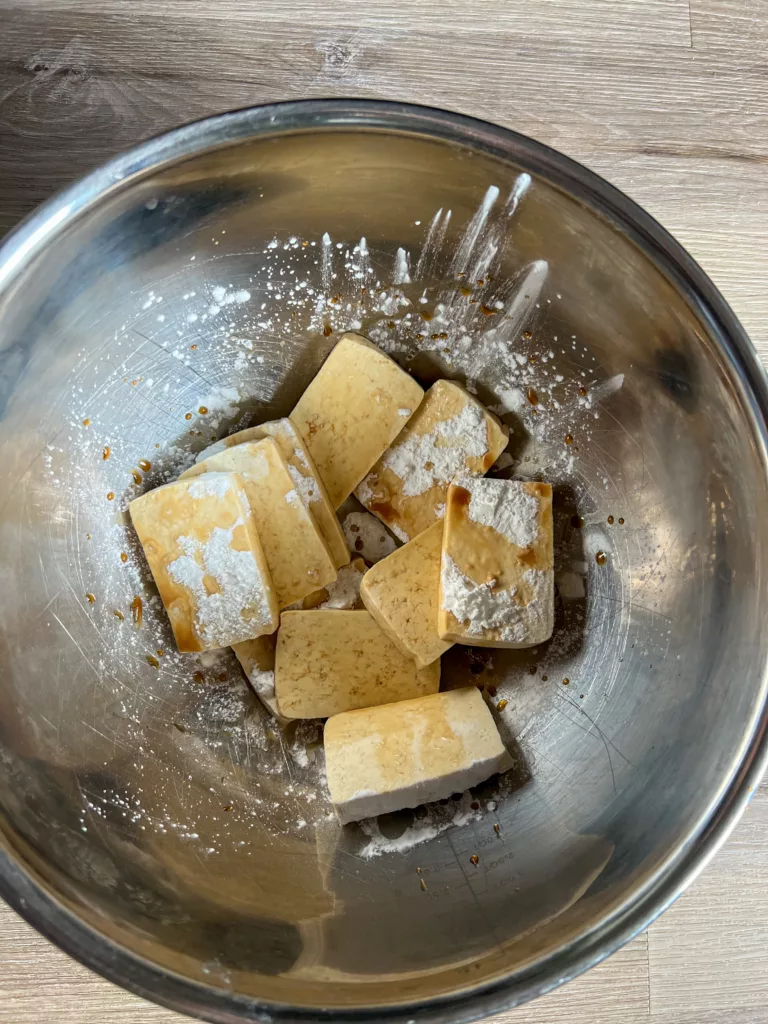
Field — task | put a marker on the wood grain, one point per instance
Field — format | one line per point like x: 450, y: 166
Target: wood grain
x: 724, y: 922
x: 665, y: 98
x: 661, y: 21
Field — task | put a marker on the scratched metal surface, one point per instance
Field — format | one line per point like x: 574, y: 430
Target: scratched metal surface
x: 159, y: 802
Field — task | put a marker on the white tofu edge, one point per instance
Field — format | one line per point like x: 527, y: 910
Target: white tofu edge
x: 369, y: 804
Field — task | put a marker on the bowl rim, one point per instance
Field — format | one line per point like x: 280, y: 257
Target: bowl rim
x: 32, y: 898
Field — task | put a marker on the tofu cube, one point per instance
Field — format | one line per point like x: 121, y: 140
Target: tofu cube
x: 352, y: 411
x: 496, y: 575
x: 401, y: 593
x: 207, y: 561
x: 386, y: 758
x: 297, y: 555
x: 333, y: 661
x: 450, y: 435
x: 305, y: 477
x: 257, y: 657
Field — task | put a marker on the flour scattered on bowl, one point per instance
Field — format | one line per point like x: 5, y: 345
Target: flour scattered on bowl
x: 222, y: 297
x: 429, y: 822
x: 221, y: 404
x: 401, y: 273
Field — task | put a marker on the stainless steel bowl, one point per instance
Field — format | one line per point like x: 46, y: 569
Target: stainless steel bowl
x: 155, y: 824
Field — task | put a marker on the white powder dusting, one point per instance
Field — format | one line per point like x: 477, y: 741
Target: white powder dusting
x: 540, y: 610
x: 212, y: 449
x: 432, y: 821
x: 433, y: 243
x: 481, y: 607
x: 519, y: 189
x: 263, y: 682
x: 301, y: 458
x: 400, y: 533
x: 510, y: 400
x: 474, y: 230
x: 305, y: 485
x: 222, y: 404
x: 506, y: 507
x: 595, y: 539
x: 212, y: 659
x: 602, y: 391
x: 363, y: 493
x: 404, y: 412
x: 478, y: 606
x: 291, y: 496
x: 258, y: 466
x: 401, y: 274
x: 212, y: 485
x: 241, y: 587
x: 423, y: 460
x: 222, y: 297
x: 366, y: 536
x: 344, y: 592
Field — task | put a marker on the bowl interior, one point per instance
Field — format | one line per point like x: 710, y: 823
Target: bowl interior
x: 148, y: 792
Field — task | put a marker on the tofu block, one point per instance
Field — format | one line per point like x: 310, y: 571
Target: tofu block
x: 305, y: 477
x: 401, y: 593
x: 496, y: 575
x: 352, y: 411
x: 450, y: 435
x: 343, y: 594
x: 298, y: 558
x: 332, y: 661
x: 207, y: 561
x: 386, y: 758
x: 257, y: 659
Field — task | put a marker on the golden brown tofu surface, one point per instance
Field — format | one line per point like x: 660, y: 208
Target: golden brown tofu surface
x: 333, y: 661
x: 401, y: 593
x: 352, y: 411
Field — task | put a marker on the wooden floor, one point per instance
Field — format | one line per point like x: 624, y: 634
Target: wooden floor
x: 668, y: 99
